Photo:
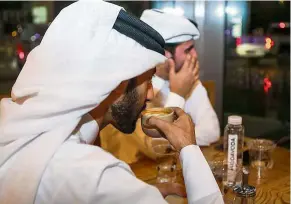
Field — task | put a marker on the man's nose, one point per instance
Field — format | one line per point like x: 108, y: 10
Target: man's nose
x: 150, y: 92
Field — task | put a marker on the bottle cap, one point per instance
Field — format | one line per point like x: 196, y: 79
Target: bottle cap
x: 246, y: 191
x: 234, y: 120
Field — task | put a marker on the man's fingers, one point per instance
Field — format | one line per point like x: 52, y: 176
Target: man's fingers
x: 196, y: 78
x: 192, y: 63
x: 171, y: 189
x: 179, y: 112
x: 196, y: 69
x: 171, y: 65
x: 164, y: 126
x: 187, y: 62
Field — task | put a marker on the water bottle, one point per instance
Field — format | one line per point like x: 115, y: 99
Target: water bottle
x: 233, y: 151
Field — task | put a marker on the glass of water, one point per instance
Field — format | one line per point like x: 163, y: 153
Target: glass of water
x: 166, y: 157
x: 217, y: 169
x: 260, y: 151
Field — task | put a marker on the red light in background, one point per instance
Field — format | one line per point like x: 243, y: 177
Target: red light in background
x: 21, y: 55
x: 19, y: 48
x: 282, y: 25
x: 20, y: 52
x: 238, y: 41
x: 267, y: 84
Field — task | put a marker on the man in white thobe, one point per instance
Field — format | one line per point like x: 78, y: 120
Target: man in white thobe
x: 175, y: 89
x: 92, y: 69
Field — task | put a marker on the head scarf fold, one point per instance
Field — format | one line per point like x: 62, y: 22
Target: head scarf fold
x: 80, y: 60
x: 174, y: 29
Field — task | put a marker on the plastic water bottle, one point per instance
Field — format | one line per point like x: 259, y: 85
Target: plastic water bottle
x: 233, y: 151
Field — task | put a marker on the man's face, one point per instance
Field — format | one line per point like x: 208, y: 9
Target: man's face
x: 180, y: 52
x: 127, y: 108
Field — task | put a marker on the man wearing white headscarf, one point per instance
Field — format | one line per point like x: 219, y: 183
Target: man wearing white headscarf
x: 176, y: 88
x: 93, y: 58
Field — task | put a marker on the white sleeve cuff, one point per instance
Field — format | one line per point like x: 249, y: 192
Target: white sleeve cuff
x: 88, y: 129
x: 199, y: 180
x: 157, y: 83
x: 175, y: 100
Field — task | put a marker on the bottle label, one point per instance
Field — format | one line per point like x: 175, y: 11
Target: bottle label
x: 232, y: 156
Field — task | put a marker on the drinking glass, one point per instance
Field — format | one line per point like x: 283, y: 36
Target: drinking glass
x: 217, y: 168
x: 166, y: 163
x: 260, y: 151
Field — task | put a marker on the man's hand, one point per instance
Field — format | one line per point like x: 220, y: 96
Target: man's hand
x: 180, y: 133
x: 183, y: 81
x: 162, y: 71
x: 171, y: 189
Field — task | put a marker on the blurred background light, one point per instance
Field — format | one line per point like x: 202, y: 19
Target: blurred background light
x: 282, y: 25
x: 21, y: 55
x: 231, y: 10
x: 14, y: 34
x: 176, y: 11
x: 33, y: 38
x: 40, y: 14
x: 199, y: 10
x: 219, y: 11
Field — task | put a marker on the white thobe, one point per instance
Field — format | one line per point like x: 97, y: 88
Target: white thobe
x: 197, y: 105
x: 81, y: 173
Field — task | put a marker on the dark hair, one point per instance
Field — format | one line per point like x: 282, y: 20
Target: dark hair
x: 171, y: 47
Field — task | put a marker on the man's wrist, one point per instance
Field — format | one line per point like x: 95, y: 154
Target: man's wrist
x: 158, y: 83
x: 188, y: 144
x: 175, y: 100
x: 187, y: 148
x: 162, y: 76
x: 186, y: 95
x: 178, y: 93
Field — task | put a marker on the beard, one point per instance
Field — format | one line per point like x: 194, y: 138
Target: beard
x: 125, y: 113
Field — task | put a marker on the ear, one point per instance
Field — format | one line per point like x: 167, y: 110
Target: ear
x: 168, y: 54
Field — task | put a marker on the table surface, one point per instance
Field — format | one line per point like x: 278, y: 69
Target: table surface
x: 274, y: 187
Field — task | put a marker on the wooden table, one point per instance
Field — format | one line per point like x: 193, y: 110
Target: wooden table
x: 274, y: 187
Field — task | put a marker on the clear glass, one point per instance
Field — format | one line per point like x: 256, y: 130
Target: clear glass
x: 166, y: 163
x: 220, y: 173
x: 216, y: 167
x: 260, y: 151
x: 233, y: 154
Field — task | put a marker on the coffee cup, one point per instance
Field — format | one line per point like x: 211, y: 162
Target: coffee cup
x: 166, y: 114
